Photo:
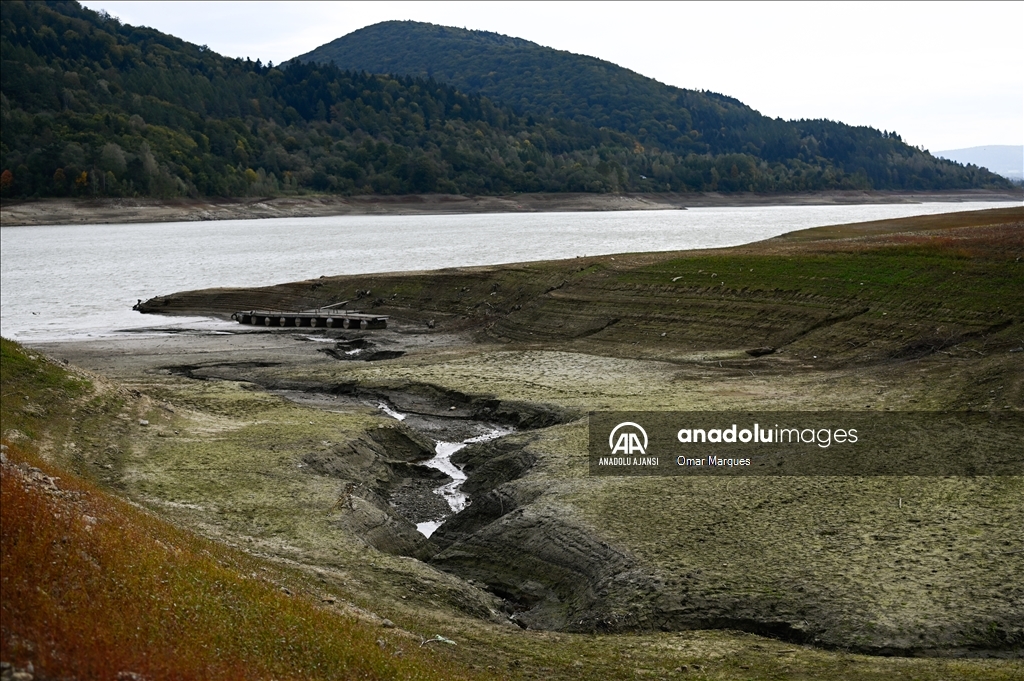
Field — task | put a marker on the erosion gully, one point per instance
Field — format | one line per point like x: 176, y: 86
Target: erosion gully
x: 428, y: 510
x: 451, y: 492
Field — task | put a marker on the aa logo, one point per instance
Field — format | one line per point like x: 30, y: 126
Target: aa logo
x: 629, y: 439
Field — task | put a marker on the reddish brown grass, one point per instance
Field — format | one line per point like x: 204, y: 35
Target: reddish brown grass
x: 93, y: 586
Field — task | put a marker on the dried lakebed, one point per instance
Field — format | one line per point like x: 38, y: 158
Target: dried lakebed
x: 209, y: 420
x: 924, y: 566
x: 830, y: 561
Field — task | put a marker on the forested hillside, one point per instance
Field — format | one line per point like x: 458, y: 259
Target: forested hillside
x: 691, y: 125
x: 93, y: 107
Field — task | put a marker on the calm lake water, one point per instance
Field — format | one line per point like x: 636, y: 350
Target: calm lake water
x: 65, y: 282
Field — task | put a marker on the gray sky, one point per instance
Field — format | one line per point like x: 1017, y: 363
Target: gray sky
x: 942, y: 75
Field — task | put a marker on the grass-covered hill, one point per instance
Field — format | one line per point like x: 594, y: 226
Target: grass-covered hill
x: 93, y: 107
x: 762, y: 153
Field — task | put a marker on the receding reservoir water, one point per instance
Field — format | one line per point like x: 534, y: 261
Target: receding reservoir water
x: 62, y: 282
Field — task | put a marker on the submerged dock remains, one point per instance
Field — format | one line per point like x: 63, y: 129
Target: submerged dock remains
x: 329, y: 316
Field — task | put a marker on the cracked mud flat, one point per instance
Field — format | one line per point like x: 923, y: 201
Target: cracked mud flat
x: 880, y: 565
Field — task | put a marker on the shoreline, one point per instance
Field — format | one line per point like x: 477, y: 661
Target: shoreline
x: 145, y: 210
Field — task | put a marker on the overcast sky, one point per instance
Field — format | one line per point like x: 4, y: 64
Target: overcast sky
x: 942, y: 75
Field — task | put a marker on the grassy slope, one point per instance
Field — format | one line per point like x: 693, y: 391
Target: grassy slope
x: 93, y: 585
x: 196, y: 586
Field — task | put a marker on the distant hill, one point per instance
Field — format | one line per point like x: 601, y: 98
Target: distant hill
x: 1003, y: 159
x: 763, y: 153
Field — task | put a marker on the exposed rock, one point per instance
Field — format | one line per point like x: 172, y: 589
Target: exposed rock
x: 376, y: 522
x: 15, y: 435
x: 372, y: 464
x: 131, y: 676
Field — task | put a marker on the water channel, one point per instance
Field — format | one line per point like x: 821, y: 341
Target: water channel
x: 449, y: 434
x: 77, y: 282
x: 451, y: 492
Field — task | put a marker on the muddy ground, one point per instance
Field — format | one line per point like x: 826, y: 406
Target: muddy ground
x: 264, y: 440
x: 103, y: 211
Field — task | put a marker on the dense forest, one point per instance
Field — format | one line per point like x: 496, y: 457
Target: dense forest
x: 690, y: 125
x: 93, y: 107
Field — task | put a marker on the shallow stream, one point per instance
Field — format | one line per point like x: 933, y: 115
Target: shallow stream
x: 451, y: 492
x: 449, y: 434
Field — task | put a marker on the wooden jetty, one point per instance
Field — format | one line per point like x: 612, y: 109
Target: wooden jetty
x: 329, y: 316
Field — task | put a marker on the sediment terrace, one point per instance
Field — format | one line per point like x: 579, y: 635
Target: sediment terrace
x: 832, y: 296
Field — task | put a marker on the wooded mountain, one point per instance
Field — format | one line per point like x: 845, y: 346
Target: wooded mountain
x: 544, y: 82
x: 93, y: 107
